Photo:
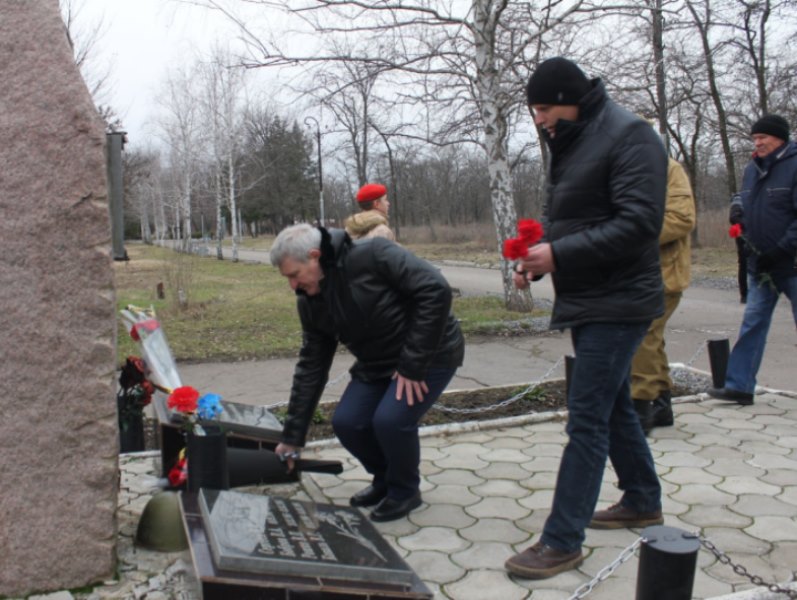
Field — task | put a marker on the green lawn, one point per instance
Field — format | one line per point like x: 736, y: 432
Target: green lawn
x: 242, y: 311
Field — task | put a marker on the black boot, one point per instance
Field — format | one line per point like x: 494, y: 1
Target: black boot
x: 644, y: 408
x: 661, y: 411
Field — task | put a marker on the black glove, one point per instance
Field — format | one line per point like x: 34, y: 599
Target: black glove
x: 736, y: 214
x: 769, y: 259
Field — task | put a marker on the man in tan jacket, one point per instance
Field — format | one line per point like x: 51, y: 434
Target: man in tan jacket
x: 372, y: 221
x: 651, y: 384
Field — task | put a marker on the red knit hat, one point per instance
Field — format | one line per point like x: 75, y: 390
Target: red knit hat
x: 370, y: 192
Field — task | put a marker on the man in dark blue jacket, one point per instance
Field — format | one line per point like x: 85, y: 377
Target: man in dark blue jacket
x: 766, y: 208
x: 606, y: 187
x: 392, y: 311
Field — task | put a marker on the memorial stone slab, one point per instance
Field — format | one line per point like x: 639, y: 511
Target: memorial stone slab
x: 273, y: 535
x: 59, y: 439
x: 267, y: 547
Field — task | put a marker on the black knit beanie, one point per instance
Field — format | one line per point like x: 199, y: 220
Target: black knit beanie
x: 557, y: 81
x: 773, y: 125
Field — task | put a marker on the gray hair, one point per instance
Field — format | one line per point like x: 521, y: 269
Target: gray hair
x: 295, y: 242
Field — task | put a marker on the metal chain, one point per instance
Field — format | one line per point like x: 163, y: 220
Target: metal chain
x: 741, y: 570
x: 723, y: 558
x: 507, y: 402
x: 529, y: 389
x: 481, y: 409
x: 607, y: 571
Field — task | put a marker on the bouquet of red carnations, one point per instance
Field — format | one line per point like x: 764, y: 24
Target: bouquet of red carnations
x: 529, y: 233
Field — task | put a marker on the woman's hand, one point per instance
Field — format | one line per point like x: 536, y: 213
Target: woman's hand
x: 288, y: 454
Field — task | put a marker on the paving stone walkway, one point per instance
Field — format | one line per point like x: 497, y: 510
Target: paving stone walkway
x: 729, y: 472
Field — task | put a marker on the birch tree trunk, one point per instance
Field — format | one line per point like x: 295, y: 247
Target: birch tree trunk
x: 219, y: 218
x: 236, y: 230
x: 485, y: 19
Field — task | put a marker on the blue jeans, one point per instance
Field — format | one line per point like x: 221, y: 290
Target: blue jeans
x: 748, y: 351
x: 382, y: 432
x: 601, y: 422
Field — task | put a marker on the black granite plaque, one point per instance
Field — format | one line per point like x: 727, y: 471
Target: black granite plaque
x: 247, y: 426
x: 272, y: 535
x: 246, y: 419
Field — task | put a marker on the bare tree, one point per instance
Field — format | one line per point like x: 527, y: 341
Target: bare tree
x: 457, y: 65
x: 221, y: 104
x: 84, y: 36
x: 181, y: 130
x: 141, y: 181
x: 346, y: 89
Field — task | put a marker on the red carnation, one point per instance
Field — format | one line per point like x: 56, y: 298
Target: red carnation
x: 148, y: 325
x: 735, y: 231
x: 183, y: 399
x: 178, y: 474
x: 515, y: 248
x: 530, y: 231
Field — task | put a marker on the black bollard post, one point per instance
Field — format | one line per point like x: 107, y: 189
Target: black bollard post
x: 569, y: 363
x: 718, y: 353
x: 667, y: 564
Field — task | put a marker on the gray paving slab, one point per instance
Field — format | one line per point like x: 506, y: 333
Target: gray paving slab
x: 484, y: 499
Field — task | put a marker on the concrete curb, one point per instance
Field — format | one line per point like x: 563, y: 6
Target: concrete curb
x: 757, y: 594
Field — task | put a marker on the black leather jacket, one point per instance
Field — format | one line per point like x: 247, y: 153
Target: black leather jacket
x: 606, y: 192
x: 392, y: 311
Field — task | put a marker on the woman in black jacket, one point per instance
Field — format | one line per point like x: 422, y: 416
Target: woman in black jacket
x: 392, y: 311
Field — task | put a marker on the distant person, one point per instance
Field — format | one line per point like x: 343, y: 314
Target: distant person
x: 372, y: 221
x: 392, y: 311
x: 606, y: 186
x: 651, y: 385
x: 766, y: 209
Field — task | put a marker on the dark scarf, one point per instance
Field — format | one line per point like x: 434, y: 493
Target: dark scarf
x: 569, y: 131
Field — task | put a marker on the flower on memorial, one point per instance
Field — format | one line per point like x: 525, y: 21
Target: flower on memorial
x: 209, y: 407
x: 186, y: 399
x: 529, y: 233
x: 178, y: 474
x: 135, y: 392
x: 183, y: 399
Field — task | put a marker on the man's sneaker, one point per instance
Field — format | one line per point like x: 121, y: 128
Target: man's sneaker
x: 729, y: 395
x: 541, y: 561
x: 618, y: 516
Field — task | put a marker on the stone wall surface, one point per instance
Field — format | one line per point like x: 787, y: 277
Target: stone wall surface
x: 58, y: 432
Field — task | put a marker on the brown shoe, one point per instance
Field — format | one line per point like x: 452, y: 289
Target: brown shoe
x: 618, y: 516
x: 541, y: 561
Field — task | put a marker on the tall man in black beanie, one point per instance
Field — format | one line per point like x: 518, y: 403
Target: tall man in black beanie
x: 766, y: 208
x: 606, y: 188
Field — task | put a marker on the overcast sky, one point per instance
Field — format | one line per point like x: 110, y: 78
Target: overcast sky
x: 141, y: 39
